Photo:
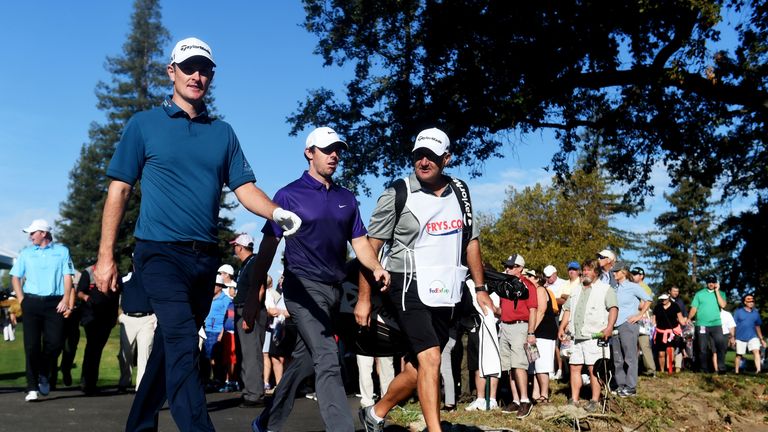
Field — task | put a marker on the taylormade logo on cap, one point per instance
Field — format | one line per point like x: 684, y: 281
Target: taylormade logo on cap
x: 433, y: 139
x: 191, y: 47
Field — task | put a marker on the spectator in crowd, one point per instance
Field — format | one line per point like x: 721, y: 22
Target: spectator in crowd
x: 591, y: 310
x: 211, y: 356
x: 705, y: 307
x: 229, y: 350
x: 607, y: 258
x: 546, y: 335
x: 574, y: 281
x: 275, y: 305
x: 46, y: 299
x: 561, y: 288
x: 227, y: 272
x: 681, y: 347
x: 667, y: 318
x: 137, y: 330
x: 633, y: 303
x: 99, y: 316
x: 518, y: 325
x: 749, y: 336
x: 644, y: 339
x: 71, y: 339
x: 250, y: 339
x: 729, y: 333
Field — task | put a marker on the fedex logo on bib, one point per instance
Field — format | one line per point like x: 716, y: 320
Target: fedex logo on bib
x: 438, y: 287
x: 444, y: 227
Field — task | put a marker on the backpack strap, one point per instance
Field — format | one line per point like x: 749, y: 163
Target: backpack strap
x: 401, y: 195
x: 461, y: 191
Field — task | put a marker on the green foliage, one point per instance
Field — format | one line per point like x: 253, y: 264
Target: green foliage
x: 640, y: 76
x: 554, y: 225
x: 682, y: 248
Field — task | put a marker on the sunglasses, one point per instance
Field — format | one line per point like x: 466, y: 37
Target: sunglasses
x: 749, y: 301
x: 338, y: 148
x: 601, y: 257
x: 421, y: 154
x: 190, y: 67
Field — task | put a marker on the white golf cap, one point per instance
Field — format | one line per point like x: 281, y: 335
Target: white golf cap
x: 433, y: 139
x: 37, y: 225
x: 549, y: 270
x: 323, y: 137
x: 244, y: 240
x: 226, y: 268
x: 191, y: 47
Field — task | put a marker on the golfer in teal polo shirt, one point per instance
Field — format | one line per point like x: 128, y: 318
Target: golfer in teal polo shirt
x: 183, y: 157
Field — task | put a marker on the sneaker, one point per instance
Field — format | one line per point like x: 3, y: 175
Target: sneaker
x: 525, y: 410
x: 476, y: 405
x: 31, y: 396
x: 368, y: 422
x: 592, y: 406
x: 493, y: 405
x: 312, y: 396
x: 557, y: 375
x: 572, y: 402
x: 627, y: 392
x: 43, y: 385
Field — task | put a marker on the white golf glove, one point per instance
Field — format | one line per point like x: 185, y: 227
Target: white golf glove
x: 287, y: 220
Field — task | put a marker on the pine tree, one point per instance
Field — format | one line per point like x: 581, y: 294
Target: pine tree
x: 683, y: 245
x: 139, y: 82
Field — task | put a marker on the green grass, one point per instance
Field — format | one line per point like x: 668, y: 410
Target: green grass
x: 12, y: 361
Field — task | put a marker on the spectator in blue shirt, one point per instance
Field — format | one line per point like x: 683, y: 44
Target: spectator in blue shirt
x: 314, y: 270
x: 42, y: 280
x: 183, y: 158
x: 633, y: 304
x: 214, y: 326
x: 749, y: 336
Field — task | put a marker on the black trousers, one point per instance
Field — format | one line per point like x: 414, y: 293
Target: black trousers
x: 96, y: 334
x: 70, y: 339
x: 43, y: 336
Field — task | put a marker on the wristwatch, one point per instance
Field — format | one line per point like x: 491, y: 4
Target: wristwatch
x: 483, y: 288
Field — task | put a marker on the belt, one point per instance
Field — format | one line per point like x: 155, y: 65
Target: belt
x: 138, y: 314
x: 516, y: 322
x: 197, y: 246
x: 44, y: 297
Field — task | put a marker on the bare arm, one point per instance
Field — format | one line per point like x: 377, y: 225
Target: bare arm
x: 613, y: 314
x: 255, y: 200
x: 720, y: 300
x: 563, y: 324
x: 541, y: 294
x: 16, y: 282
x: 475, y: 265
x: 363, y: 306
x: 105, y: 269
x: 369, y: 258
x: 644, y: 305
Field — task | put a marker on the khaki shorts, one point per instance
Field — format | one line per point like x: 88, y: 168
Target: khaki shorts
x: 742, y: 347
x: 587, y: 352
x: 512, y: 338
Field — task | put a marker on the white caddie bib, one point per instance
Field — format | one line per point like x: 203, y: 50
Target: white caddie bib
x: 437, y: 250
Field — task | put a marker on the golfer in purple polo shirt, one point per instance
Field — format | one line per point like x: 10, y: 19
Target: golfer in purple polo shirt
x: 314, y: 269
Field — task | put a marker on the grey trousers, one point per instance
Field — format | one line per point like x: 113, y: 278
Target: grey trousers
x: 644, y: 341
x: 624, y: 353
x: 252, y: 359
x: 446, y: 371
x: 310, y: 304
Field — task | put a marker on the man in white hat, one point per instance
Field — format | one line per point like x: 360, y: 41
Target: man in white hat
x: 434, y: 245
x: 183, y: 158
x: 46, y: 298
x: 315, y: 262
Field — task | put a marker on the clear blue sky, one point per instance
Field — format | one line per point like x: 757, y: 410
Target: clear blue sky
x: 53, y: 57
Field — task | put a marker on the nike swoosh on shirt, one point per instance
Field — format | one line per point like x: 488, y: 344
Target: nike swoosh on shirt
x: 342, y: 206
